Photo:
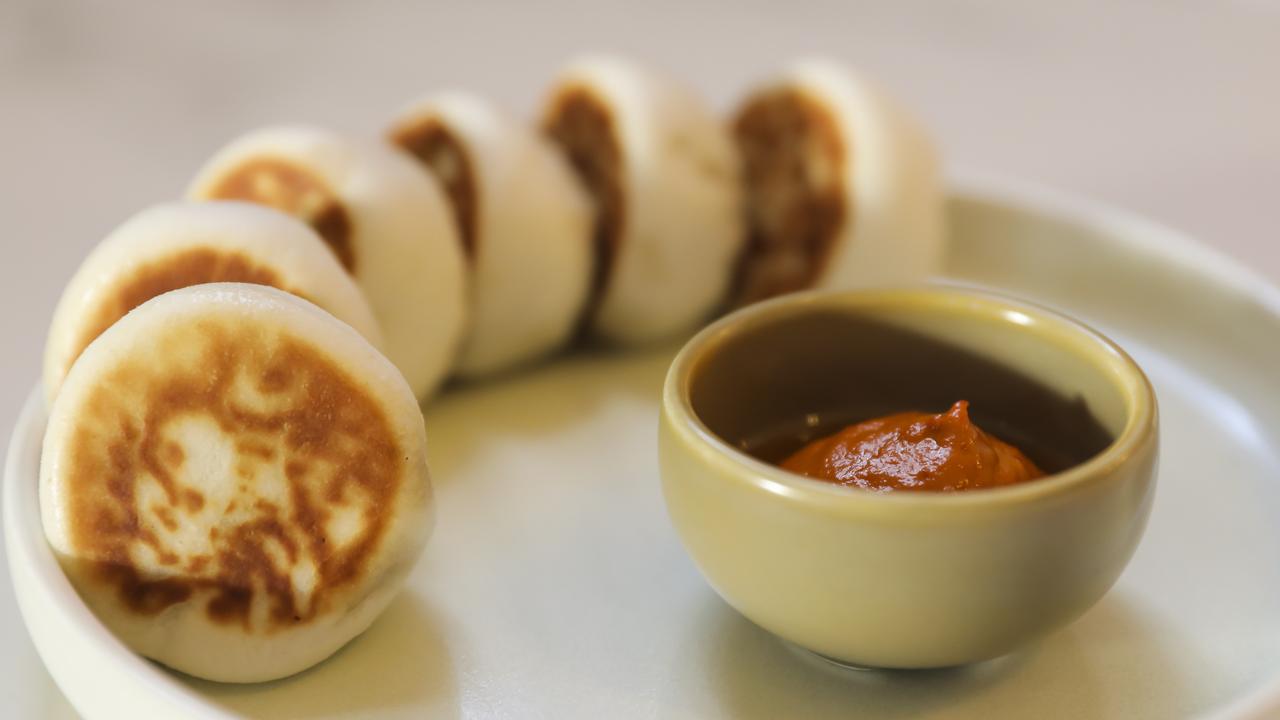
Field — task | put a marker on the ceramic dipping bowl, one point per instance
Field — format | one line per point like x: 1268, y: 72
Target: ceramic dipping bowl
x: 906, y: 579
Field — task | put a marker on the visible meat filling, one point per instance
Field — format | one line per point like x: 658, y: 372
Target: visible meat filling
x: 793, y: 161
x: 584, y: 129
x: 286, y: 187
x: 441, y: 152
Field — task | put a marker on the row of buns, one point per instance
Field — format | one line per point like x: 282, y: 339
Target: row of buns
x: 234, y: 474
x: 630, y: 212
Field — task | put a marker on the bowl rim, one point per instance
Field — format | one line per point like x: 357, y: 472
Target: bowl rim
x: 1110, y: 359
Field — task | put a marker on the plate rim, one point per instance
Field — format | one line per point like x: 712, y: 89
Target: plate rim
x: 1136, y: 231
x: 1133, y: 230
x: 52, y: 585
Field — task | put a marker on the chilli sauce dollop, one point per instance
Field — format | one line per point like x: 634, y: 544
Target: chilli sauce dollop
x: 915, y: 451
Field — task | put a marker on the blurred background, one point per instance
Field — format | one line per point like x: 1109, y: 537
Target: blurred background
x: 1170, y: 108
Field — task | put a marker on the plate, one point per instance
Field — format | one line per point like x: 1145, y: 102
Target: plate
x: 555, y: 587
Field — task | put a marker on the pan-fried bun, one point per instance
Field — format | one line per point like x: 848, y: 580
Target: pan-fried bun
x: 662, y: 172
x: 174, y: 245
x: 386, y: 220
x: 234, y: 481
x: 524, y: 220
x: 842, y: 187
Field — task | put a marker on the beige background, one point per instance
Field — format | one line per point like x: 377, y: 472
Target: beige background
x: 1171, y: 109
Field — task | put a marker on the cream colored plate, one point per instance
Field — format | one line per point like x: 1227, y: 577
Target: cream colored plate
x: 554, y: 586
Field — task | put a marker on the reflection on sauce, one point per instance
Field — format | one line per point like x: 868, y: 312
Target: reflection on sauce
x: 914, y: 451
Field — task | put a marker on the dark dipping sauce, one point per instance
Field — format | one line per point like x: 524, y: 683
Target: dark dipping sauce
x: 781, y: 386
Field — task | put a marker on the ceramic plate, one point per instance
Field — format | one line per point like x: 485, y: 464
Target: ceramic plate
x: 554, y: 586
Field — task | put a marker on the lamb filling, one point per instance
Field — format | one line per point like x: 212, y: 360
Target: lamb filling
x: 443, y: 154
x: 582, y: 125
x: 796, y: 203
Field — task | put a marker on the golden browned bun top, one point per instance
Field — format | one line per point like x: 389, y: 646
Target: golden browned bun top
x: 232, y: 464
x: 285, y: 186
x: 190, y: 266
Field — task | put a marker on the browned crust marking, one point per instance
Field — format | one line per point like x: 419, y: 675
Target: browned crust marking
x: 194, y: 266
x: 338, y: 449
x: 794, y: 159
x: 582, y: 125
x: 441, y: 152
x: 283, y: 185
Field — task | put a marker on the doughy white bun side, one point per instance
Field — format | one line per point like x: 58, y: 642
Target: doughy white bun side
x: 293, y: 450
x: 682, y: 207
x: 898, y: 232
x: 532, y: 235
x: 407, y: 257
x: 174, y: 244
